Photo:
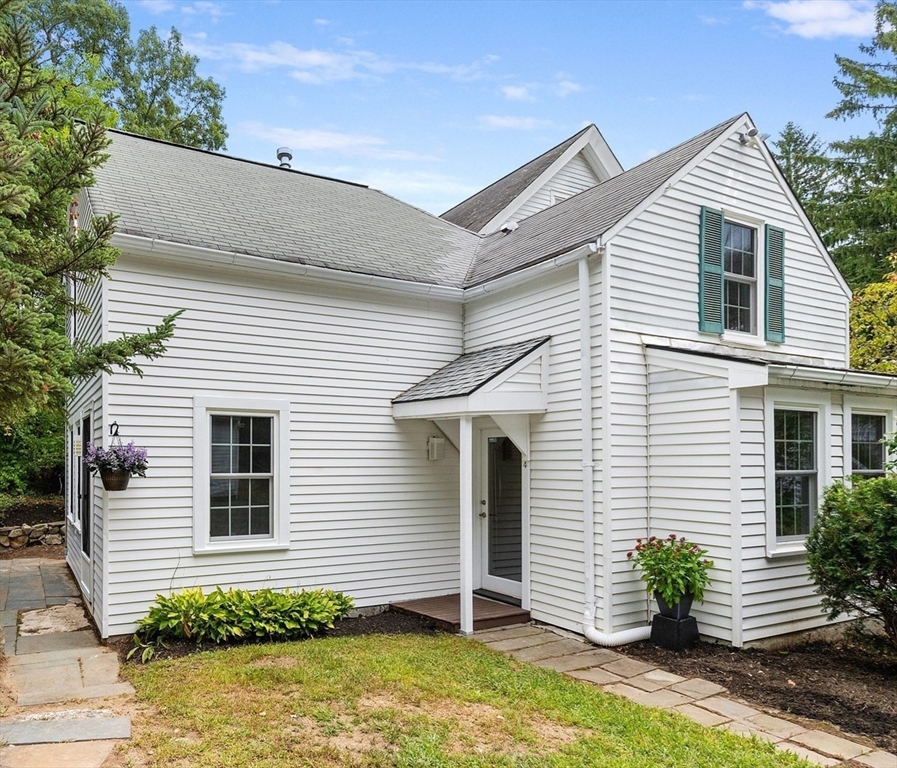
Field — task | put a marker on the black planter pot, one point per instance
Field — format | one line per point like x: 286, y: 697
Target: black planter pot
x: 678, y: 610
x: 115, y: 479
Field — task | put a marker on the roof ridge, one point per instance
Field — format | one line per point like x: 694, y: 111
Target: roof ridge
x: 213, y: 153
x: 497, y: 184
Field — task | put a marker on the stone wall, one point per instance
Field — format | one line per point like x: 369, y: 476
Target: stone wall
x: 18, y: 536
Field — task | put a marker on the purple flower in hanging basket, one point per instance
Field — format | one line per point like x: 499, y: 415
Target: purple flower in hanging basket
x: 128, y: 457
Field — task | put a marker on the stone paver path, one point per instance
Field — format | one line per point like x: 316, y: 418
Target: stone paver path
x: 700, y: 700
x: 53, y: 659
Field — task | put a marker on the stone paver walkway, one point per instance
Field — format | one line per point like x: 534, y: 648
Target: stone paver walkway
x: 53, y: 659
x: 700, y: 700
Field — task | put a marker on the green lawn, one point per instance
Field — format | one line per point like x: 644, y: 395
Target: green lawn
x: 405, y: 700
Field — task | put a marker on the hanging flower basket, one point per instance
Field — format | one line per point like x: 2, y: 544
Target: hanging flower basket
x: 115, y: 479
x: 116, y: 464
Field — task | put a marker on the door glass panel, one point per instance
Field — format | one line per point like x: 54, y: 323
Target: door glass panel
x: 505, y: 503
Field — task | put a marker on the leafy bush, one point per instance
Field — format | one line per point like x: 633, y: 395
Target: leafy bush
x: 852, y: 551
x: 221, y: 617
x: 672, y: 567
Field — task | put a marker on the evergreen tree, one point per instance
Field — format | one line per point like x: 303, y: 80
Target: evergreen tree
x: 52, y: 139
x: 862, y: 218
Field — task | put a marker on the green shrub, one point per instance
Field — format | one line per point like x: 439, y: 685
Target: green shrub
x: 852, y: 551
x: 221, y: 617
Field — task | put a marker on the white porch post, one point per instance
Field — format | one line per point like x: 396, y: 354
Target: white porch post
x: 466, y: 525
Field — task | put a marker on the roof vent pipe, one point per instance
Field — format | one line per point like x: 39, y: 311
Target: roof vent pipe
x: 284, y: 155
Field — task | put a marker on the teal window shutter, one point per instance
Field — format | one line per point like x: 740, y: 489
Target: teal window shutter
x: 710, y: 304
x: 775, y: 284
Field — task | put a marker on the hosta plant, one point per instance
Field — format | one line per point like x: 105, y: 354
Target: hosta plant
x: 672, y: 567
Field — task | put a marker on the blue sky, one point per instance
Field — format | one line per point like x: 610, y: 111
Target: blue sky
x: 432, y: 101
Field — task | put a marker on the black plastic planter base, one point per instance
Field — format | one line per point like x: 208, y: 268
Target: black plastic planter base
x: 674, y: 634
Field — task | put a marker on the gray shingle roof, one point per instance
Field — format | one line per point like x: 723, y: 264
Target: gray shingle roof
x: 478, y: 210
x: 468, y: 373
x: 190, y: 196
x: 582, y: 218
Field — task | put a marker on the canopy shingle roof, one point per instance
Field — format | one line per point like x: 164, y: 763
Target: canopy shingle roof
x: 468, y: 373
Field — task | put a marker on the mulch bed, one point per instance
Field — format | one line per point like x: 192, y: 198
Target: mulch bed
x: 30, y: 511
x: 838, y: 683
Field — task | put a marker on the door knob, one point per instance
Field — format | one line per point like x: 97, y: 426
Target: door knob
x: 483, y: 514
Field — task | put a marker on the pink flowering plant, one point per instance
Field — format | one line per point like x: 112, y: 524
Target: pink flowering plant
x: 672, y: 567
x: 127, y: 458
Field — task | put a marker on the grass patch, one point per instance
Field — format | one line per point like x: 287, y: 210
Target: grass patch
x: 407, y: 701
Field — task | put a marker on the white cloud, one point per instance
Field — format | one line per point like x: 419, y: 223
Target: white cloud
x: 713, y: 20
x: 566, y: 87
x: 157, y: 6
x: 322, y: 22
x: 694, y: 97
x: 820, y: 18
x: 318, y: 66
x: 516, y: 93
x: 329, y: 141
x: 204, y: 8
x: 495, y: 122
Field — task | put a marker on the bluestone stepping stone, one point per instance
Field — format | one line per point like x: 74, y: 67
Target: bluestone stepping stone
x: 727, y: 707
x: 628, y: 667
x: 784, y: 729
x: 878, y: 760
x: 596, y: 675
x: 56, y: 641
x: 701, y: 716
x: 56, y: 729
x: 56, y: 696
x: 8, y: 618
x: 744, y: 728
x: 515, y: 643
x: 57, y: 582
x: 698, y: 688
x: 807, y: 754
x: 77, y: 754
x: 508, y: 633
x: 547, y: 650
x: 828, y: 744
x: 573, y: 661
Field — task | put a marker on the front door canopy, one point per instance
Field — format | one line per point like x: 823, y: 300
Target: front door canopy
x: 508, y: 379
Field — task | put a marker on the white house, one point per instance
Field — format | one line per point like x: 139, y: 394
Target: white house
x: 365, y: 397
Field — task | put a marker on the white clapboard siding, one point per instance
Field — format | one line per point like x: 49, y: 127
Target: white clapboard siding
x: 656, y: 258
x: 577, y: 175
x: 689, y: 471
x: 549, y: 306
x: 86, y: 400
x: 369, y: 514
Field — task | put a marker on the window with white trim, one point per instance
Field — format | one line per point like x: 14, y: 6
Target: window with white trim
x: 798, y: 465
x: 739, y: 278
x: 241, y: 474
x: 867, y: 449
x: 796, y: 472
x: 741, y: 289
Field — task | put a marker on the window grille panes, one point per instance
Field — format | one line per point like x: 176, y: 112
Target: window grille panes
x: 796, y: 472
x: 241, y: 479
x: 740, y: 266
x: 868, y: 451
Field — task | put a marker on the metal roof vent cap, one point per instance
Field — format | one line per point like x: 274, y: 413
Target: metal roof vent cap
x: 284, y: 155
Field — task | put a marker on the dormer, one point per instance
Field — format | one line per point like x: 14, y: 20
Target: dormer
x: 582, y: 161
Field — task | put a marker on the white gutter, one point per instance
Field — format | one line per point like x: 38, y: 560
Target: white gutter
x: 833, y: 376
x: 588, y: 455
x: 169, y: 251
x: 523, y: 275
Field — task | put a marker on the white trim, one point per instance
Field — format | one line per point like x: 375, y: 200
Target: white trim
x: 839, y: 376
x: 203, y: 408
x: 758, y: 337
x: 795, y: 400
x: 591, y: 138
x: 466, y: 529
x: 736, y: 469
x: 869, y: 405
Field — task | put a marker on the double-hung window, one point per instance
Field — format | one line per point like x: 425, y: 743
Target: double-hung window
x: 741, y: 278
x: 798, y: 451
x: 796, y: 472
x: 241, y: 474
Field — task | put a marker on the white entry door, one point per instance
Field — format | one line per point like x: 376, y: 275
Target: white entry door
x: 500, y: 518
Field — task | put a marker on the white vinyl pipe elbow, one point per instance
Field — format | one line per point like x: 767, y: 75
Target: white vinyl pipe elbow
x: 614, y: 639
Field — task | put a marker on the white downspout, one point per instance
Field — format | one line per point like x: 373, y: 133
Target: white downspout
x: 588, y: 457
